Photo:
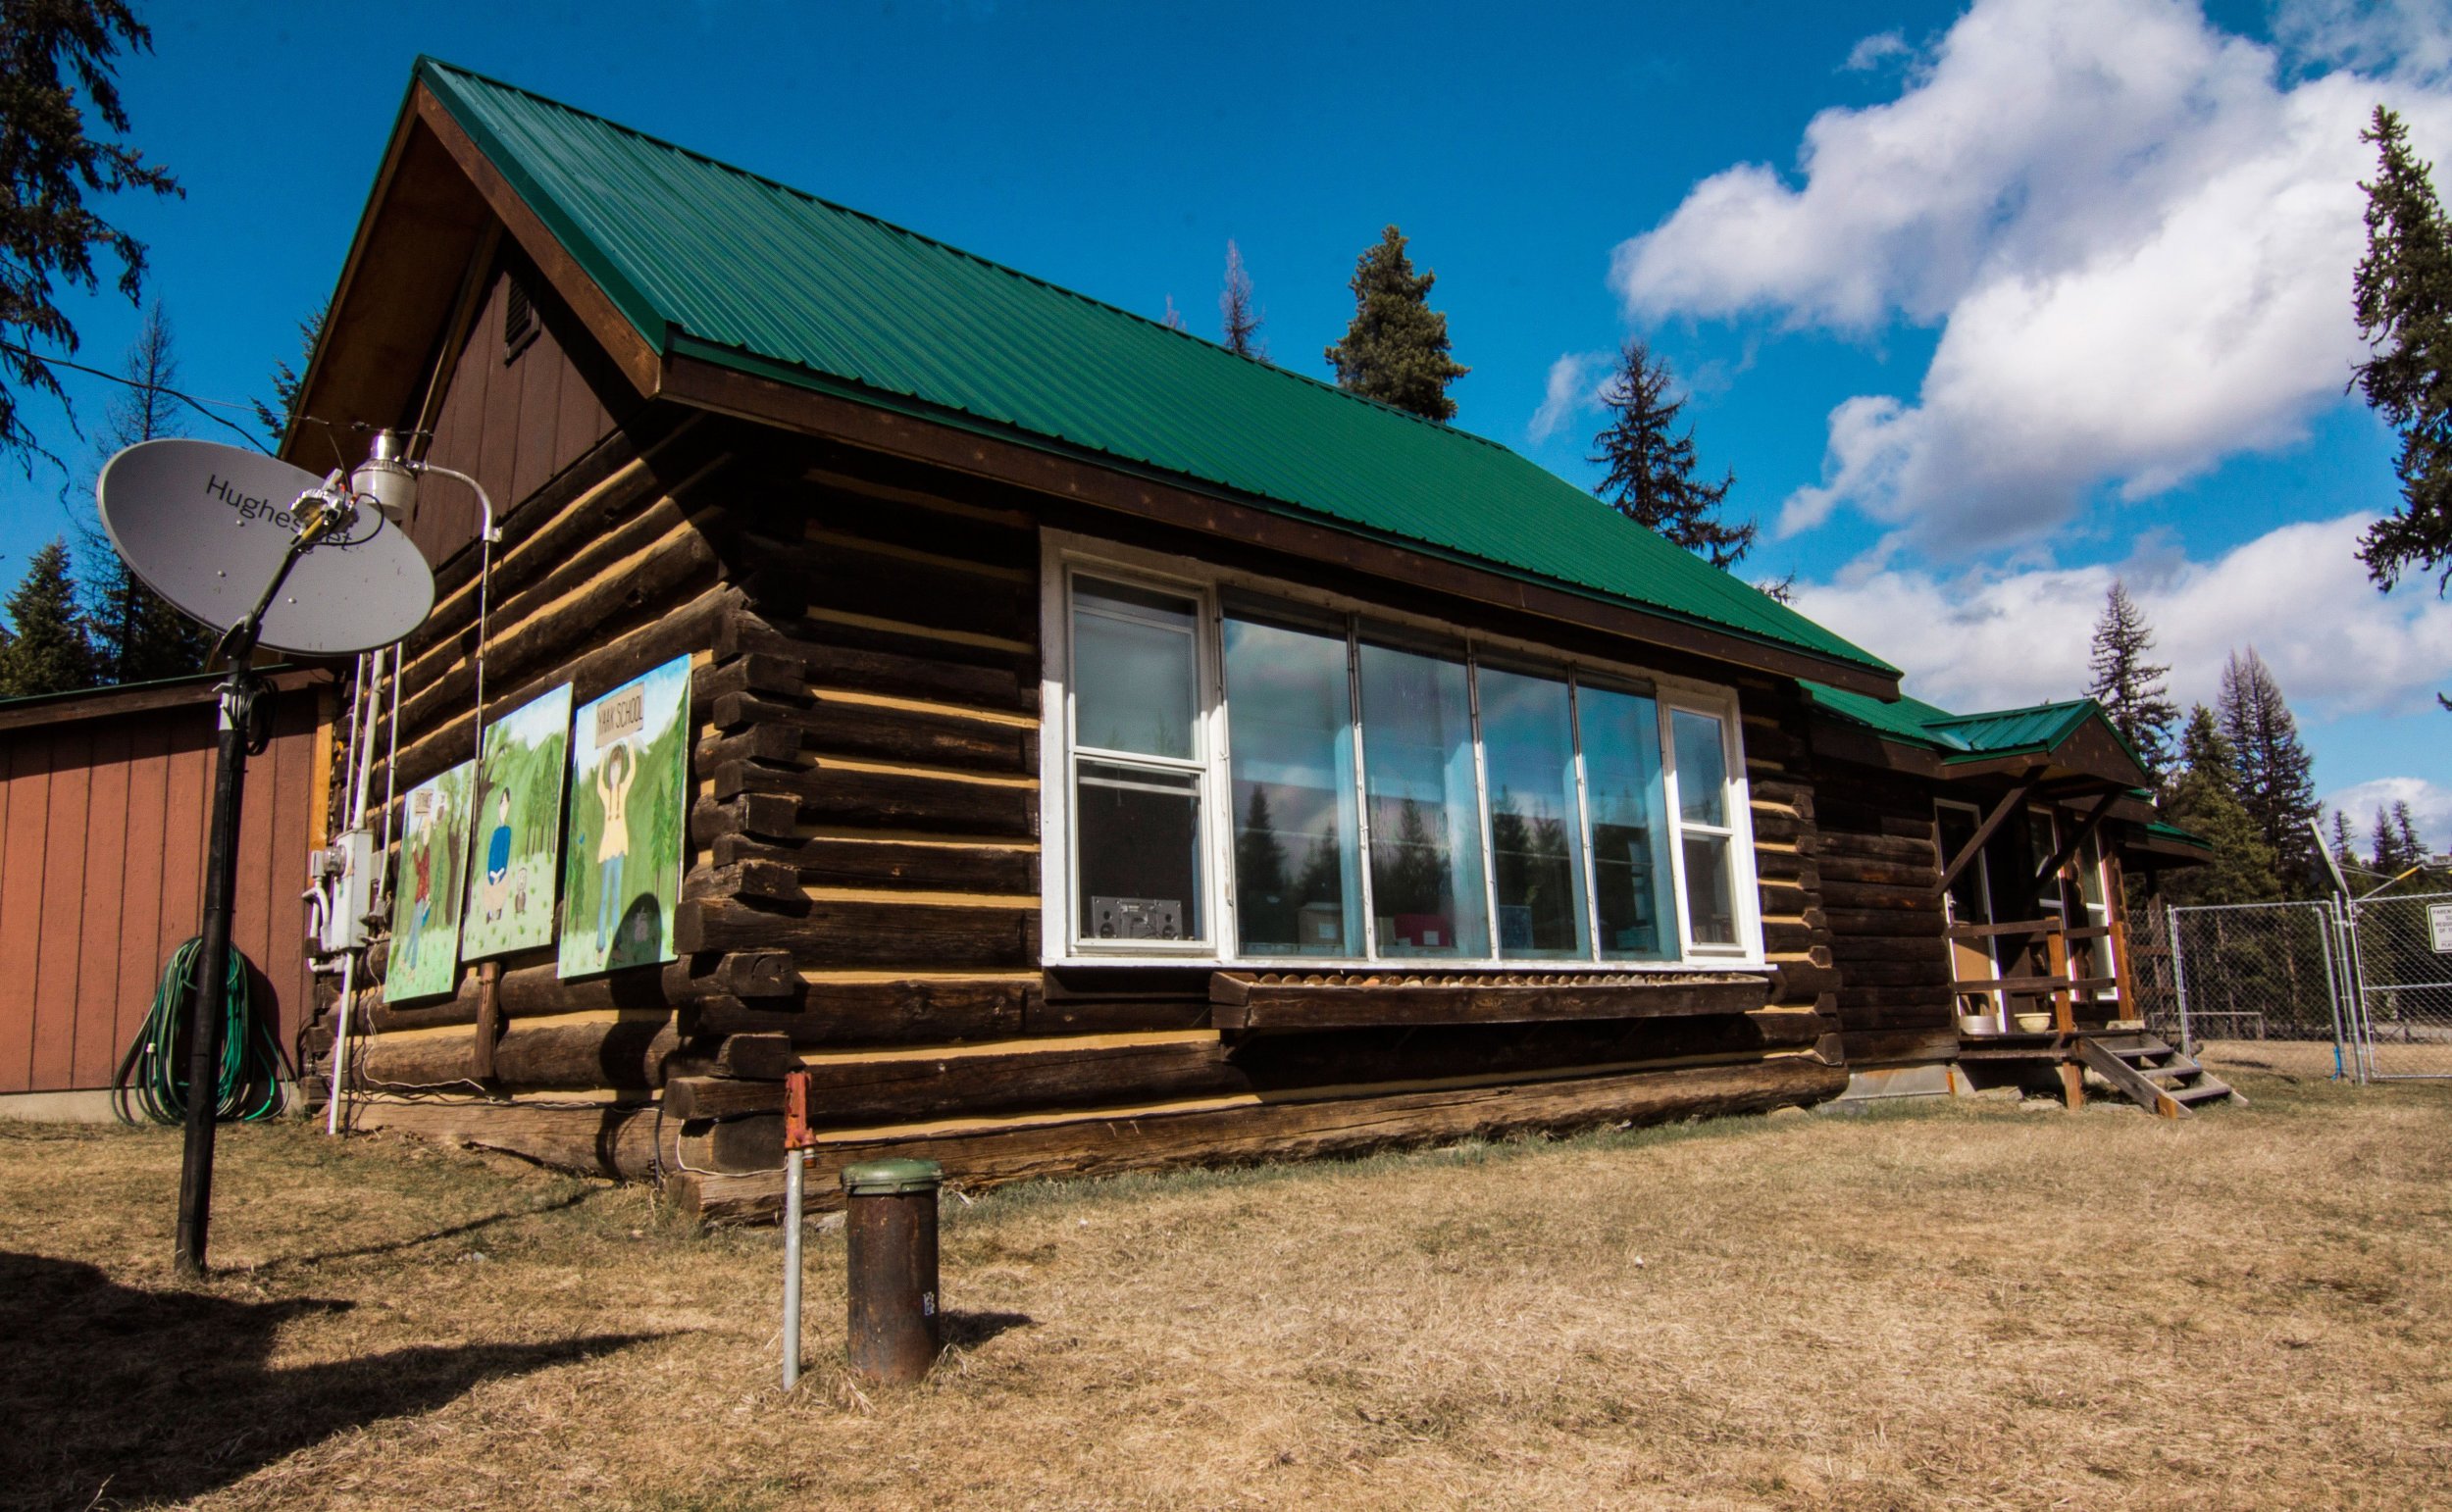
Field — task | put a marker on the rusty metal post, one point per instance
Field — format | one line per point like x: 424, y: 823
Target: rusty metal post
x: 890, y: 1236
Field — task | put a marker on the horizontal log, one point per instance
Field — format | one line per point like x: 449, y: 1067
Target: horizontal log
x: 1846, y: 845
x: 840, y: 933
x: 1803, y: 979
x: 824, y: 664
x: 2023, y: 985
x: 1781, y: 897
x: 843, y: 862
x: 1931, y: 972
x: 843, y: 728
x: 1857, y: 894
x: 1247, y: 1000
x: 799, y: 574
x: 775, y: 745
x: 625, y: 1053
x: 768, y: 881
x: 850, y: 1093
x: 921, y: 1010
x: 528, y: 991
x: 1783, y: 790
x: 1778, y: 827
x: 757, y: 1057
x: 1787, y: 866
x: 831, y: 793
x: 1900, y: 1046
x: 1101, y: 1147
x: 613, y: 1142
x: 1847, y: 922
x: 1894, y: 874
x: 841, y: 509
x: 774, y: 815
x: 1900, y: 1013
x: 1782, y: 938
x: 1927, y: 1004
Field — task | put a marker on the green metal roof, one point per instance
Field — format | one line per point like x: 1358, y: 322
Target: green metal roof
x: 711, y: 261
x: 1961, y: 737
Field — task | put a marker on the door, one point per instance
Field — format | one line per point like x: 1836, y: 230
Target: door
x: 1970, y: 901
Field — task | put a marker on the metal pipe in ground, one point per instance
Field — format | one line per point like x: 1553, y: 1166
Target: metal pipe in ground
x: 889, y: 1240
x: 795, y: 1167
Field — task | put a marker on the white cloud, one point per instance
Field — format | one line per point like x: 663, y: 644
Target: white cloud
x: 2405, y: 38
x: 2135, y: 238
x: 1873, y: 51
x: 1572, y: 390
x: 1991, y: 638
x: 2431, y: 805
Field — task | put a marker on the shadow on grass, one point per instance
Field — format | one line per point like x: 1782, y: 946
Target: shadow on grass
x: 393, y: 1246
x: 115, y: 1395
x: 962, y: 1329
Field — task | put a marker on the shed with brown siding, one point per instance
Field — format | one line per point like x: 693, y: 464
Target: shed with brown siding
x: 891, y: 500
x: 103, y: 797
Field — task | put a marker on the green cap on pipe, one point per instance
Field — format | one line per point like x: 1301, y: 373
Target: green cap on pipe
x: 888, y: 1177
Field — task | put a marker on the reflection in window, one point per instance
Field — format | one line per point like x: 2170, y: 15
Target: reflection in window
x: 1135, y: 685
x: 1425, y: 817
x: 1702, y: 823
x: 1298, y: 881
x: 1536, y: 850
x: 1630, y: 876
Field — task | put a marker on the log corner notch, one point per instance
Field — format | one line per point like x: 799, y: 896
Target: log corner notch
x: 1245, y: 1001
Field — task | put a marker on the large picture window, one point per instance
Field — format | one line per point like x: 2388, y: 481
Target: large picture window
x: 1252, y: 778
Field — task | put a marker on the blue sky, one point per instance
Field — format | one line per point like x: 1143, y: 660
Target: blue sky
x: 1982, y: 304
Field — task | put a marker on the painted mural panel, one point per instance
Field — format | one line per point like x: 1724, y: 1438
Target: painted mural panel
x: 620, y: 871
x: 427, y: 895
x: 518, y: 835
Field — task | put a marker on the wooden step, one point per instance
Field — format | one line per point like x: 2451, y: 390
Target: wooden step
x: 2131, y: 1082
x: 2207, y: 1090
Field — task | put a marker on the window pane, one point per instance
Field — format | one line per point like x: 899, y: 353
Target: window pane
x: 1417, y: 764
x: 1298, y: 878
x: 1622, y: 783
x: 1135, y: 683
x: 1140, y: 858
x: 1702, y: 768
x: 1710, y: 901
x: 1535, y: 840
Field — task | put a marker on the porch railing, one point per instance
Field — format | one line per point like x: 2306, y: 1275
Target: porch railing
x: 2076, y: 1000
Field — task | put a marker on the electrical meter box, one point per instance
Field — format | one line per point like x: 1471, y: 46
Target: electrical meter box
x: 347, y: 877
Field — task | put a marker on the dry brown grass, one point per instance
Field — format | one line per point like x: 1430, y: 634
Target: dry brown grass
x: 1972, y: 1305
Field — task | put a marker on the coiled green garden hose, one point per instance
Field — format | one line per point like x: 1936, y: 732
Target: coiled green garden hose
x: 153, y: 1074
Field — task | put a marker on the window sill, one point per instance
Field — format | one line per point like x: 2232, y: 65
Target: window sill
x: 1244, y: 1000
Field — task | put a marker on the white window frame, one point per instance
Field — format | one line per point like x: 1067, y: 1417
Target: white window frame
x: 1066, y: 555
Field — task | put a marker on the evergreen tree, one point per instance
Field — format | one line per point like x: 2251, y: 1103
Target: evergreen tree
x: 2277, y: 776
x: 2345, y: 847
x: 1267, y: 912
x: 1651, y: 478
x: 52, y: 51
x: 289, y: 384
x: 1395, y: 350
x: 2403, y: 298
x: 2204, y: 801
x: 2383, y: 845
x: 2129, y: 687
x: 137, y: 636
x: 2405, y: 828
x: 1238, y: 321
x: 1323, y: 872
x: 48, y: 651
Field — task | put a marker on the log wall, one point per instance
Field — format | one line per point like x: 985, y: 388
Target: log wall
x: 1882, y: 912
x: 863, y: 898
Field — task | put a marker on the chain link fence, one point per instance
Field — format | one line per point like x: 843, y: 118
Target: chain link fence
x: 2256, y: 986
x: 2401, y: 950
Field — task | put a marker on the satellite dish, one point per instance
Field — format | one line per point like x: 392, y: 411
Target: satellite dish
x: 206, y: 527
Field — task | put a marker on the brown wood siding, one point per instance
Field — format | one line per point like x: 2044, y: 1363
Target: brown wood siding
x: 513, y: 424
x: 102, y: 853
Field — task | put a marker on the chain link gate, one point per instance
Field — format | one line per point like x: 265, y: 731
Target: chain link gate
x: 2259, y: 986
x: 2401, y: 957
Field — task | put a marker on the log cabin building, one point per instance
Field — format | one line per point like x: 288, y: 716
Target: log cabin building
x: 1111, y: 752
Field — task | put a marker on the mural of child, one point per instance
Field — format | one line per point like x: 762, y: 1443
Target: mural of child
x: 499, y: 858
x: 422, y: 902
x: 614, y: 775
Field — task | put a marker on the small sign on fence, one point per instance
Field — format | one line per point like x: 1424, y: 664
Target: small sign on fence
x: 2440, y: 925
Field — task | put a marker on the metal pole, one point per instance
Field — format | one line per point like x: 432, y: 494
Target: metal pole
x: 2179, y: 982
x: 204, y: 1058
x: 2333, y: 988
x: 796, y: 1172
